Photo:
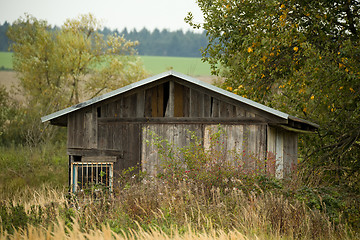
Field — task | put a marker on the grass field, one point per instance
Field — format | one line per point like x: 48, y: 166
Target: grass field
x: 154, y: 64
x: 189, y: 66
x: 5, y: 60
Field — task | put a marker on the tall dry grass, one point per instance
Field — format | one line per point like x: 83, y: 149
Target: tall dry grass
x: 153, y: 210
x: 105, y: 232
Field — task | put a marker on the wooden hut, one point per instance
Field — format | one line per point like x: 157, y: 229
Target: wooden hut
x: 110, y: 133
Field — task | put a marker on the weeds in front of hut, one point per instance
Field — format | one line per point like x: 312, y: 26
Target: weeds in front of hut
x: 198, y: 200
x: 152, y: 208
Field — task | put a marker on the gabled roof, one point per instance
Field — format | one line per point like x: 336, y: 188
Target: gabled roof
x: 184, y: 77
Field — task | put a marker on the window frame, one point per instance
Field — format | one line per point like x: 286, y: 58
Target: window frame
x: 74, y: 174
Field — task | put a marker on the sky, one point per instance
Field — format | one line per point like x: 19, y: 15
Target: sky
x: 114, y: 14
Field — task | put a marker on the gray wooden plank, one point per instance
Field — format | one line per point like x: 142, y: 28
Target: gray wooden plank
x: 140, y: 104
x: 215, y: 108
x: 207, y: 106
x: 170, y: 105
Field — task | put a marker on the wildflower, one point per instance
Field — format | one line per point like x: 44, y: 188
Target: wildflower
x: 312, y: 97
x: 296, y: 49
x: 250, y: 50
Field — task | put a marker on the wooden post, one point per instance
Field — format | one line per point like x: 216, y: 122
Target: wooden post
x: 170, y: 106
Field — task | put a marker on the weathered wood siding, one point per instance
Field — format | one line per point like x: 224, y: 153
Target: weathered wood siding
x: 178, y: 135
x: 123, y: 139
x: 171, y: 99
x: 282, y: 151
x: 244, y: 144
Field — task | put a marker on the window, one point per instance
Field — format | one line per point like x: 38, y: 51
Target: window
x: 91, y: 174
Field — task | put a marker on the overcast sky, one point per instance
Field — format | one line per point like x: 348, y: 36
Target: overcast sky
x: 115, y: 14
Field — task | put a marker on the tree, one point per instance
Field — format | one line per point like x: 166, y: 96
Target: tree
x: 4, y: 41
x: 58, y: 68
x: 302, y: 57
x: 61, y: 67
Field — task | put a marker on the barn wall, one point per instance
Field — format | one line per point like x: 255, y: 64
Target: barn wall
x: 239, y: 144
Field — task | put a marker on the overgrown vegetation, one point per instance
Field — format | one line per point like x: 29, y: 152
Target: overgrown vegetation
x: 152, y: 205
x: 189, y: 196
x: 300, y: 57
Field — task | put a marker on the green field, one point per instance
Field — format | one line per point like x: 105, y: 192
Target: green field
x: 5, y: 60
x: 154, y: 64
x: 189, y: 66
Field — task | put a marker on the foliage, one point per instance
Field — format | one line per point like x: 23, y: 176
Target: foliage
x: 56, y: 68
x: 59, y: 68
x: 301, y: 57
x: 21, y: 124
x: 26, y: 166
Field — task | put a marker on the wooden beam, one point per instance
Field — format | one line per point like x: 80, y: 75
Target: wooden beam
x: 94, y: 152
x: 239, y: 120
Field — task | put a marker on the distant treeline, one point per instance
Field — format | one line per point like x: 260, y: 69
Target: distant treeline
x: 4, y: 41
x: 151, y: 43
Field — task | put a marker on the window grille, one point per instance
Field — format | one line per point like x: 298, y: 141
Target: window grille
x: 88, y: 175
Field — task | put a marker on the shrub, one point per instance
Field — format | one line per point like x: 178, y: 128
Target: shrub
x: 210, y: 167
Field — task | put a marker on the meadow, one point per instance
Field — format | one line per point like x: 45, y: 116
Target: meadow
x: 5, y: 61
x: 153, y: 64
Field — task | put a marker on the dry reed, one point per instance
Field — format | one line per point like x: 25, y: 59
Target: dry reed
x: 152, y: 210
